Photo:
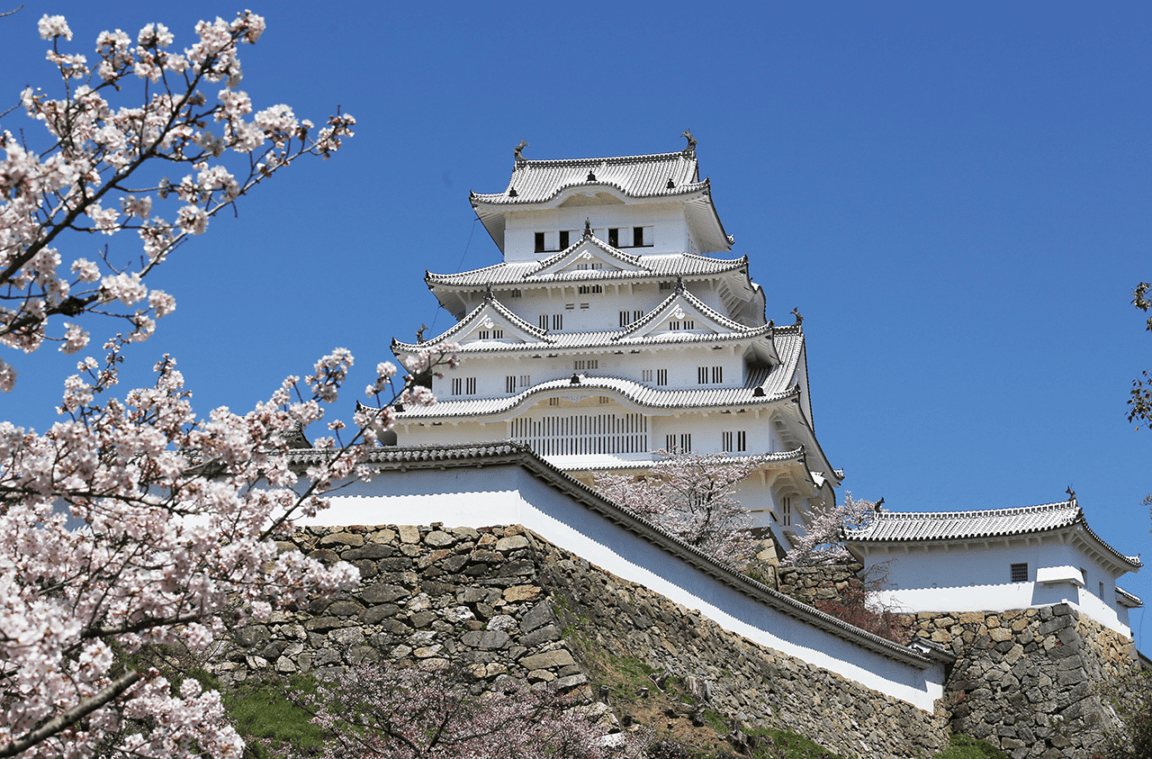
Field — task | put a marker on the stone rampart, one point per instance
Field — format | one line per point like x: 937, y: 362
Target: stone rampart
x: 504, y: 603
x: 1024, y: 679
x: 821, y: 583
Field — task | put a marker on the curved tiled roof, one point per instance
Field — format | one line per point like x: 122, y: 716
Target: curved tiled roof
x: 510, y: 453
x: 635, y: 392
x: 1131, y: 600
x: 526, y: 272
x: 641, y: 176
x: 897, y: 527
x: 774, y: 457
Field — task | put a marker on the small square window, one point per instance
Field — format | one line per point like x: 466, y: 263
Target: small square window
x: 1019, y: 573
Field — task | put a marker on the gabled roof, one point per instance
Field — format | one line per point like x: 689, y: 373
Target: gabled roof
x: 638, y: 176
x: 680, y: 305
x: 489, y: 308
x: 907, y: 527
x: 590, y: 248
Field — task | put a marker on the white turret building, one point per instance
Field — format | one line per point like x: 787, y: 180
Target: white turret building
x: 614, y: 328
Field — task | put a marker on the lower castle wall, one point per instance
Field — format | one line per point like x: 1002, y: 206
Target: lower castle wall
x: 504, y: 603
x: 1024, y: 679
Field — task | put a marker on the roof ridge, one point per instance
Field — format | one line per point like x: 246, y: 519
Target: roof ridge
x: 641, y: 158
x: 1011, y: 510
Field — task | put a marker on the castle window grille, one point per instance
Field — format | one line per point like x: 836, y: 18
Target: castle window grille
x: 681, y: 443
x: 516, y: 293
x: 646, y: 375
x: 470, y: 385
x: 557, y: 321
x: 587, y: 363
x: 457, y: 385
x: 786, y: 511
x: 510, y: 384
x: 734, y: 441
x: 703, y: 373
x: 661, y: 376
x: 676, y: 326
x: 590, y: 289
x: 525, y: 380
x: 582, y: 434
x: 1020, y: 573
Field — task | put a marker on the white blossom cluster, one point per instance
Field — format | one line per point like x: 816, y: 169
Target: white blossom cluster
x: 97, y: 173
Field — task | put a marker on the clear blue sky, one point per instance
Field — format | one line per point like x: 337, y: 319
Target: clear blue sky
x: 956, y: 196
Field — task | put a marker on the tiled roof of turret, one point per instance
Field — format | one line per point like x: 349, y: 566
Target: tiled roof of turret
x: 525, y: 272
x: 1131, y: 600
x: 897, y: 527
x: 640, y: 176
x: 636, y: 392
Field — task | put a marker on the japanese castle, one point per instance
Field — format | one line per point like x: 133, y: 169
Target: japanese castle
x: 618, y: 325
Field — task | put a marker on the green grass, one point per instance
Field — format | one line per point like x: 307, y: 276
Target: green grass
x: 770, y: 743
x: 263, y: 716
x: 966, y: 747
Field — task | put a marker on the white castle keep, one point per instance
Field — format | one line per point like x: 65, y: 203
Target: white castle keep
x: 614, y: 327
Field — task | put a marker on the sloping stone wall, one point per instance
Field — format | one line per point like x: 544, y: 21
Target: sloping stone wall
x: 503, y: 603
x: 1024, y: 679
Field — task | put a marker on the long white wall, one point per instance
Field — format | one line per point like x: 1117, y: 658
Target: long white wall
x: 977, y: 578
x: 510, y: 495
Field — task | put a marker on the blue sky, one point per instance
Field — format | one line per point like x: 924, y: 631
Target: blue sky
x: 956, y: 197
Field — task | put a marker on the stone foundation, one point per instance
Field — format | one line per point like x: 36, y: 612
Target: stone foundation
x: 504, y: 603
x: 1024, y: 679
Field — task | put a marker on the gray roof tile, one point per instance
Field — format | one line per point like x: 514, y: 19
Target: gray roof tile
x: 905, y: 527
x: 641, y: 176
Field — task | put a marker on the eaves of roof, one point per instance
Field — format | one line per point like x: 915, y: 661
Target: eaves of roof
x: 584, y: 341
x: 662, y: 267
x: 775, y: 457
x: 635, y: 392
x: 514, y: 454
x: 1131, y: 600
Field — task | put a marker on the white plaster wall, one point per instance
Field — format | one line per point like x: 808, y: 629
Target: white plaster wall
x: 975, y: 578
x: 668, y: 222
x: 509, y: 495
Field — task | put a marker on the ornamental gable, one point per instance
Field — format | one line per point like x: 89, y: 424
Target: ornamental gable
x: 588, y: 255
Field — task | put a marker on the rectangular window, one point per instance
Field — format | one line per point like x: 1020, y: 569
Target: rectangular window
x: 670, y: 443
x: 540, y: 242
x: 637, y: 237
x: 1019, y: 573
x: 666, y: 285
x: 1084, y: 576
x: 702, y: 375
x: 494, y: 334
x: 516, y: 293
x: 590, y: 289
x: 563, y: 239
x: 614, y: 237
x: 1101, y: 591
x: 625, y: 320
x: 646, y: 375
x: 557, y: 321
x: 709, y: 375
x: 470, y: 385
x: 685, y: 442
x: 786, y: 511
x: 676, y: 326
x: 717, y: 374
x: 604, y: 399
x: 588, y: 363
x: 733, y: 441
x: 569, y: 306
x: 661, y: 376
x: 543, y: 321
x: 553, y: 401
x: 525, y: 380
x: 457, y: 385
x: 510, y: 384
x: 585, y: 306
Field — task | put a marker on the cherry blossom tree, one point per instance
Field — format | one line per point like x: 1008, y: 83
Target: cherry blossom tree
x: 822, y: 542
x: 132, y: 526
x: 382, y: 710
x: 114, y: 132
x: 693, y: 498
